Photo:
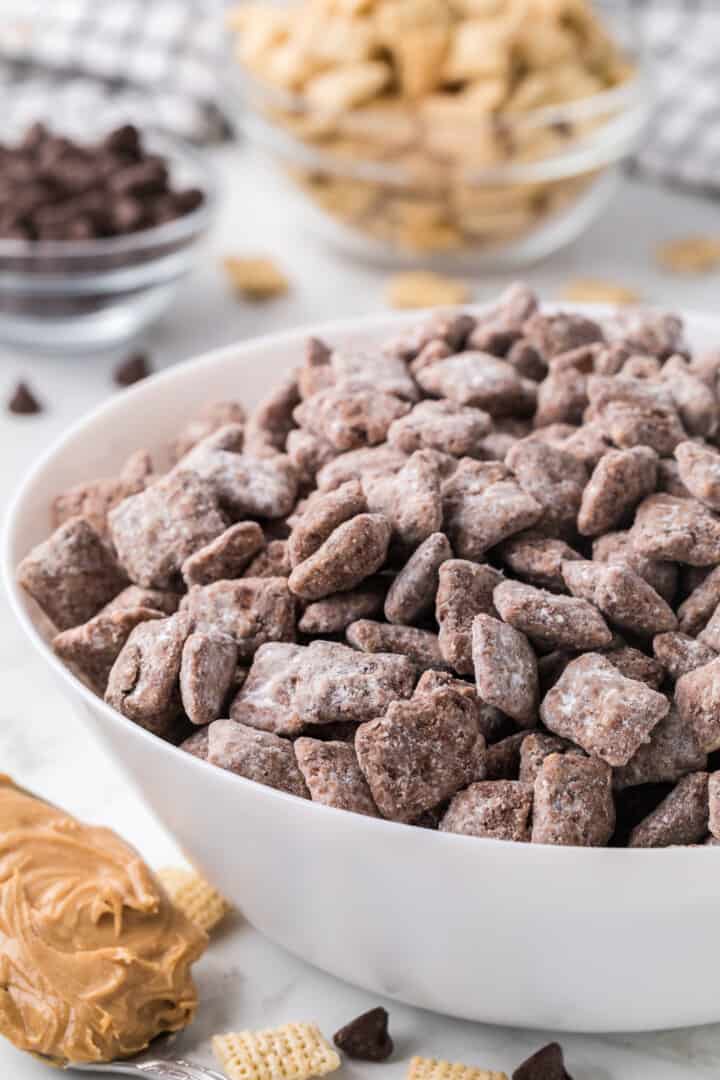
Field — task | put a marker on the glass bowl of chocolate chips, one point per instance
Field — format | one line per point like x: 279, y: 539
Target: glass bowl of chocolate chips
x: 95, y: 235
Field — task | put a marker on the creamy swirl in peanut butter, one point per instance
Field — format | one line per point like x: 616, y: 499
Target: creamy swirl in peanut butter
x: 94, y: 959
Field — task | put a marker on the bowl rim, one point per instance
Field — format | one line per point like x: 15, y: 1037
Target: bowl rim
x: 242, y: 353
x: 158, y: 236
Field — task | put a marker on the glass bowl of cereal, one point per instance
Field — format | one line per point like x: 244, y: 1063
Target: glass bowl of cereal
x: 464, y: 135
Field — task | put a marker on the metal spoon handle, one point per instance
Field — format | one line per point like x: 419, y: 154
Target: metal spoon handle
x: 157, y: 1069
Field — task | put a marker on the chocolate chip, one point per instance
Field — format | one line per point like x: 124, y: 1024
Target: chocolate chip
x: 131, y: 370
x: 546, y: 1064
x: 23, y: 402
x: 366, y: 1038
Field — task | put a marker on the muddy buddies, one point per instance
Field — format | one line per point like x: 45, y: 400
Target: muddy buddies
x: 468, y: 579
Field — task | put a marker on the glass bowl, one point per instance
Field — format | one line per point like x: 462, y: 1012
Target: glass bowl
x: 67, y: 296
x: 448, y: 185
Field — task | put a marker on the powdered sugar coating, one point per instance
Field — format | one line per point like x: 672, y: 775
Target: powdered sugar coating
x: 156, y: 531
x: 622, y: 595
x: 479, y: 379
x: 505, y: 669
x: 573, y: 802
x: 480, y: 511
x: 143, y: 682
x: 679, y: 653
x: 412, y: 593
x: 617, y: 548
x: 72, y: 574
x: 95, y: 500
x: 497, y: 809
x: 256, y: 755
x: 333, y: 775
x: 337, y: 683
x: 619, y: 481
x: 420, y: 646
x: 352, y: 552
x: 441, y: 425
x: 245, y: 485
x: 699, y: 468
x: 551, y: 620
x: 93, y: 647
x: 227, y: 556
x: 354, y: 369
x: 554, y: 479
x: 598, y: 709
x: 410, y: 500
x: 672, y: 752
x: 697, y: 698
x: 323, y: 514
x: 251, y: 611
x: 207, y: 670
x: 135, y: 597
x: 266, y: 698
x: 537, y: 559
x: 465, y: 590
x: 350, y: 419
x: 419, y: 753
x: 681, y: 818
x: 211, y: 417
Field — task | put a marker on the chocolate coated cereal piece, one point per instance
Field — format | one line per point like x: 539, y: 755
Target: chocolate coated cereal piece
x: 654, y: 333
x: 441, y: 425
x: 651, y: 424
x: 410, y: 500
x: 695, y: 612
x: 245, y: 485
x: 491, y: 722
x: 464, y: 590
x: 680, y: 653
x: 617, y: 548
x: 337, y: 683
x: 412, y: 593
x: 506, y: 318
x: 481, y: 509
x: 356, y: 464
x: 212, y: 416
x: 534, y: 748
x: 619, y: 481
x: 206, y: 674
x: 502, y: 759
x: 681, y: 818
x: 545, y: 1064
x: 333, y: 776
x: 350, y: 419
x: 251, y: 610
x: 156, y: 530
x: 671, y: 753
x: 549, y: 619
x: 256, y: 755
x: 315, y: 373
x: 334, y: 614
x: 323, y: 514
x: 668, y: 479
x: 94, y: 501
x: 266, y: 698
x: 352, y: 552
x: 699, y: 468
x: 561, y: 398
x: 419, y: 753
x: 94, y: 646
x: 143, y: 682
x: 560, y: 332
x: 135, y: 597
x: 673, y: 529
x: 308, y: 454
x: 526, y: 360
x: 600, y: 710
x: 588, y: 444
x: 554, y: 478
x: 72, y: 574
x: 272, y: 419
x: 697, y: 697
x: 497, y: 809
x: 355, y: 369
x: 573, y: 803
x: 450, y: 327
x: 197, y: 743
x: 273, y: 561
x: 479, y: 379
x: 366, y: 1038
x: 634, y: 664
x: 537, y: 559
x: 420, y: 646
x: 695, y: 402
x: 714, y: 804
x: 710, y: 634
x: 227, y: 556
x: 505, y: 669
x: 622, y: 595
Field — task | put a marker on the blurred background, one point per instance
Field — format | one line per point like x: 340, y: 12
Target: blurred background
x: 314, y: 150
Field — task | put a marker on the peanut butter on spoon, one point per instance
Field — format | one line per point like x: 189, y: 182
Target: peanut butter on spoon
x: 94, y: 959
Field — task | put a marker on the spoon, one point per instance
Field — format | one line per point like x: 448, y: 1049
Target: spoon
x: 149, y: 1065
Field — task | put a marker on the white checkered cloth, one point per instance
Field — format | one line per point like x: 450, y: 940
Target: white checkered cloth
x: 157, y: 62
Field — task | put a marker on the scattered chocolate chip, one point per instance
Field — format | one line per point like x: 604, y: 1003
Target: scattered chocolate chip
x: 545, y: 1064
x: 366, y: 1038
x: 131, y: 370
x: 23, y: 402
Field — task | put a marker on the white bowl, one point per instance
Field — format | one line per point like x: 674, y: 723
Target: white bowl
x: 565, y: 938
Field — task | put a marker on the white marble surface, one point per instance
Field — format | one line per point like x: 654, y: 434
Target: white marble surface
x: 245, y: 981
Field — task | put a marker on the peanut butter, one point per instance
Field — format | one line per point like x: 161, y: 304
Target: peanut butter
x: 94, y: 959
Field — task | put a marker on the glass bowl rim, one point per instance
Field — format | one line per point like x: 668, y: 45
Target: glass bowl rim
x: 181, y: 228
